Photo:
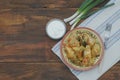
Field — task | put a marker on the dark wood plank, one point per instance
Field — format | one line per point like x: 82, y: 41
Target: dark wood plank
x: 32, y: 71
x: 6, y: 4
x: 46, y: 71
x: 27, y: 4
x: 23, y: 37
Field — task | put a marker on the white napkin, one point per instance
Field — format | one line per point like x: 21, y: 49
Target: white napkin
x: 98, y: 22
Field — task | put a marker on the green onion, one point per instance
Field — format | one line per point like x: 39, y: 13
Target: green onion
x: 85, y: 16
x: 80, y: 9
x: 90, y: 6
x: 89, y: 14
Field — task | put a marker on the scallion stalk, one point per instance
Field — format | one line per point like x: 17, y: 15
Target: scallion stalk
x: 75, y: 23
x: 104, y: 7
x: 84, y: 16
x: 90, y: 6
x: 80, y: 9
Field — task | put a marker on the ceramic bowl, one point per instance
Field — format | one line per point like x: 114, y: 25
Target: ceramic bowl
x: 82, y: 49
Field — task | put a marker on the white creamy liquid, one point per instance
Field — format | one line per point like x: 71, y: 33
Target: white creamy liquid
x: 55, y: 29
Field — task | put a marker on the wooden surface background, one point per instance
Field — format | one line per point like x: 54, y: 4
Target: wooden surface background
x: 25, y: 49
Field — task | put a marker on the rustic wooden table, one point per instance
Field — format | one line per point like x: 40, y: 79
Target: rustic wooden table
x: 25, y: 49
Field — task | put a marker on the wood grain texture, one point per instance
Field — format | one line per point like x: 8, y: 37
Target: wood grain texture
x: 25, y: 49
x: 40, y: 3
x: 32, y: 71
x: 46, y: 71
x: 23, y: 37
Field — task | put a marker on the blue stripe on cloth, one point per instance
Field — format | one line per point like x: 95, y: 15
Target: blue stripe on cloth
x: 90, y: 19
x: 110, y: 20
x: 86, y: 22
x: 114, y: 38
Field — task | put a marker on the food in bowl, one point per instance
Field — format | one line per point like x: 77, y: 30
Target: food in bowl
x: 82, y: 48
